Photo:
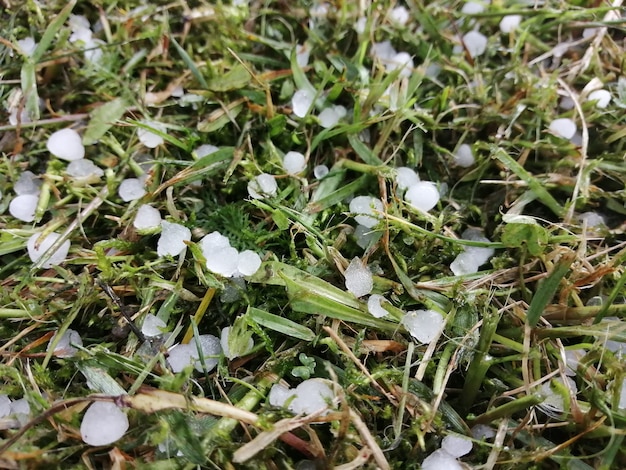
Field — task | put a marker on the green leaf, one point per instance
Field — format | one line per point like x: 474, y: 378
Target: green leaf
x: 236, y: 78
x: 364, y: 151
x: 51, y: 31
x: 531, y: 236
x: 280, y: 324
x: 100, y: 381
x: 102, y: 118
x: 547, y: 288
x: 189, y: 63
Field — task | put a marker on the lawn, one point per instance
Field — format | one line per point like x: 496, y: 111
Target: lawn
x: 309, y: 235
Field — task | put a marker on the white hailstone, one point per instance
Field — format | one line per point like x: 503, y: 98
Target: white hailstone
x: 330, y: 116
x: 593, y: 219
x: 182, y: 355
x: 424, y: 325
x: 601, y: 97
x: 205, y: 150
x: 472, y: 8
x: 510, y: 23
x: 84, y: 170
x: 359, y: 279
x: 23, y: 207
x: 566, y: 103
x: 262, y: 186
x: 320, y: 171
x: 301, y: 102
x: 303, y: 52
x: 226, y: 349
x: 294, y: 163
x: 172, y: 239
x: 311, y: 396
x: 399, y: 15
x: 374, y: 306
x: 150, y: 139
x: 152, y: 326
x: 81, y: 35
x: 78, y: 22
x: 27, y: 45
x: 103, y: 424
x: 64, y: 347
x: 248, y: 262
x: 457, y: 445
x: 210, y: 346
x: 464, y: 263
x: 563, y: 127
x: 214, y: 241
x: 147, y: 217
x: 441, y: 460
x: 178, y: 91
x: 367, y: 210
x: 572, y: 358
x: 5, y: 405
x: 37, y: 248
x: 464, y: 156
x: 422, y: 195
x: 406, y: 177
x: 66, y: 144
x: 482, y: 431
x: 20, y: 409
x: 554, y: 401
x: 278, y: 395
x: 365, y: 236
x: 622, y: 396
x: 224, y: 261
x: 589, y: 32
x: 383, y: 51
x: 360, y: 24
x: 131, y: 189
x: 401, y: 61
x: 475, y: 42
x: 93, y: 50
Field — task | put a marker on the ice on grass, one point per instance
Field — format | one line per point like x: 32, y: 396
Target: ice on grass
x: 20, y: 408
x: 399, y: 15
x: 441, y: 460
x: 464, y: 263
x: 224, y: 261
x: 205, y: 150
x: 279, y: 394
x: 422, y: 195
x: 103, y: 424
x: 329, y: 117
x: 152, y: 326
x: 131, y: 189
x: 601, y: 97
x: 374, y: 306
x: 383, y: 51
x: 262, y: 186
x: 472, y: 8
x: 38, y: 245
x: 365, y: 236
x: 84, y: 171
x: 248, y: 262
x: 64, y: 348
x: 294, y: 163
x: 510, y: 23
x: 303, y: 52
x: 173, y: 238
x: 472, y: 257
x: 423, y: 325
x: 311, y: 396
x: 401, y: 61
x: 464, y: 156
x: 27, y: 183
x: 456, y: 445
x: 241, y: 351
x: 360, y: 24
x: 367, y: 210
x: 23, y: 207
x: 214, y: 241
x: 5, y: 405
x: 563, y: 127
x: 359, y: 279
x: 147, y: 218
x: 181, y: 355
x: 148, y: 138
x: 320, y: 171
x: 475, y: 42
x: 66, y: 144
x: 301, y: 102
x: 555, y: 399
x: 572, y: 357
x: 406, y: 177
x: 27, y: 45
x: 593, y: 219
x: 482, y: 431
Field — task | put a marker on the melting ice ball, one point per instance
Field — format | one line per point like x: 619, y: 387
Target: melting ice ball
x: 23, y: 207
x: 563, y: 127
x: 601, y: 97
x: 367, y: 210
x: 510, y: 23
x: 441, y: 460
x: 262, y: 186
x: 182, y: 355
x: 173, y: 238
x: 294, y: 163
x: 463, y: 156
x: 374, y: 306
x: 424, y: 325
x: 148, y: 138
x: 301, y: 102
x: 359, y: 279
x: 131, y: 189
x: 152, y: 326
x: 147, y: 217
x: 475, y: 42
x: 66, y: 145
x: 27, y: 183
x: 320, y: 171
x: 64, y: 347
x: 457, y: 445
x: 406, y: 177
x: 84, y: 171
x: 422, y: 195
x: 37, y: 246
x: 248, y: 262
x: 103, y: 424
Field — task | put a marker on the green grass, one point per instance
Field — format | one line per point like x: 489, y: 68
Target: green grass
x: 507, y: 327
